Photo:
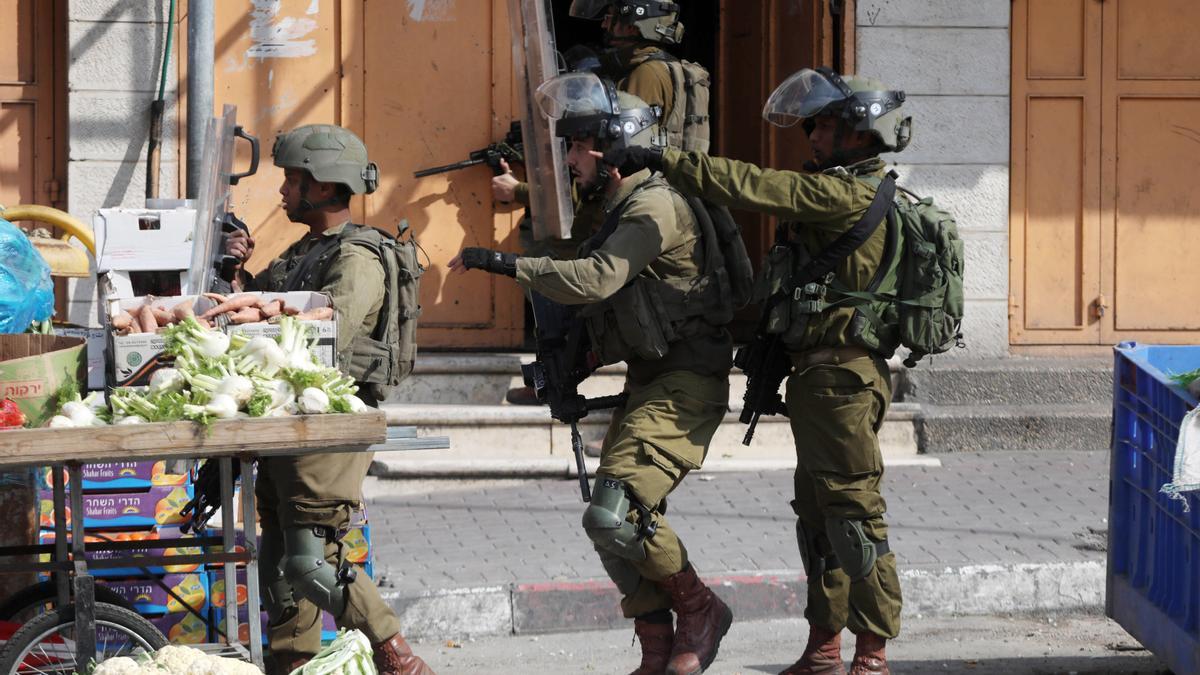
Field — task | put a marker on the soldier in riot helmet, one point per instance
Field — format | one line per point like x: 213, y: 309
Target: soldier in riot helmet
x: 635, y: 32
x: 839, y: 387
x: 643, y: 284
x: 305, y: 503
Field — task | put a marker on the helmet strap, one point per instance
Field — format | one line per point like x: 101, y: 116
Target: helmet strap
x: 305, y: 204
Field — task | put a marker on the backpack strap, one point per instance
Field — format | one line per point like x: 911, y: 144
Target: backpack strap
x: 613, y: 219
x: 308, y: 264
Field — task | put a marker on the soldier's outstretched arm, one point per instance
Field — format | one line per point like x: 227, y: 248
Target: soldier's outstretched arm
x: 813, y: 199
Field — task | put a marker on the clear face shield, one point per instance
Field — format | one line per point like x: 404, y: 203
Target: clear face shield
x: 801, y: 96
x: 574, y: 95
x: 589, y: 9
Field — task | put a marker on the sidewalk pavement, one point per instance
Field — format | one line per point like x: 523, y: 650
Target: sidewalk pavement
x: 991, y: 533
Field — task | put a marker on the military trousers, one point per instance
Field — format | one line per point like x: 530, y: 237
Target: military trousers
x: 318, y: 490
x: 661, y: 434
x: 836, y: 411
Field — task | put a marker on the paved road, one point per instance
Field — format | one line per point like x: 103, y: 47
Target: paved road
x: 1004, y: 508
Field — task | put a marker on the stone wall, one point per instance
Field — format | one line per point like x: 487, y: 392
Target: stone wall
x: 116, y: 50
x: 952, y: 59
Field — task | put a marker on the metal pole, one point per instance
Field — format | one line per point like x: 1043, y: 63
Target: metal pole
x: 201, y: 55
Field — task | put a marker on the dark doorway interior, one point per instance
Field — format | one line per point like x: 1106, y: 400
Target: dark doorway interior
x: 701, y: 23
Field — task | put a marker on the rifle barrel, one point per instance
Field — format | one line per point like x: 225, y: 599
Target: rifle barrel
x: 750, y: 431
x: 448, y: 168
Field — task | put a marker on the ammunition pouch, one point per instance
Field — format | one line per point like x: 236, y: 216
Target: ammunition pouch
x: 641, y: 320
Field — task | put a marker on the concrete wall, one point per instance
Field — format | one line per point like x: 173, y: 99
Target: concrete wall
x: 116, y: 50
x: 952, y: 59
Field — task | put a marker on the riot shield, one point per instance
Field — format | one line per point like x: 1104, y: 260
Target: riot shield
x: 211, y: 269
x: 535, y: 60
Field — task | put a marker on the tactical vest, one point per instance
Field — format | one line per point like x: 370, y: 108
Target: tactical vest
x: 797, y: 286
x: 641, y: 320
x: 687, y: 122
x: 386, y: 356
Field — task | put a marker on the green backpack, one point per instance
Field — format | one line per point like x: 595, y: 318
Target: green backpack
x: 930, y: 299
x: 918, y: 298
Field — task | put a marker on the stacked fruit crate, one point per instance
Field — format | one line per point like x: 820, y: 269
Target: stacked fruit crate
x: 139, y: 501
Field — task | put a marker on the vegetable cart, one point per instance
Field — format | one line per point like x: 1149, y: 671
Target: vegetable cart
x: 82, y: 627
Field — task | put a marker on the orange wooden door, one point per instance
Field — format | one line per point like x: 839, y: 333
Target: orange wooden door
x: 1105, y: 141
x: 1151, y: 147
x: 422, y: 83
x: 29, y: 107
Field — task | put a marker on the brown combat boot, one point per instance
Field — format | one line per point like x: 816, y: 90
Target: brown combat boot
x: 822, y: 655
x: 395, y: 657
x: 868, y: 656
x: 283, y: 663
x: 656, y: 639
x: 701, y: 621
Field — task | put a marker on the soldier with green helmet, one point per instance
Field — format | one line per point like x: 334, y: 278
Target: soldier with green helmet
x: 839, y: 388
x: 647, y: 297
x: 306, y: 503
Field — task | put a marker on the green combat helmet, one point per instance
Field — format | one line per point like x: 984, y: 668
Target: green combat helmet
x: 583, y: 105
x: 863, y: 103
x: 656, y: 20
x: 331, y: 154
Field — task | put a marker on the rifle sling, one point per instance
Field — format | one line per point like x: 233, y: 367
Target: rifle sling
x: 850, y: 240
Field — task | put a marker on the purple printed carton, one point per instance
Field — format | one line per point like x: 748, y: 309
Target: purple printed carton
x: 149, y: 597
x: 113, y: 476
x: 151, y: 549
x: 123, y: 510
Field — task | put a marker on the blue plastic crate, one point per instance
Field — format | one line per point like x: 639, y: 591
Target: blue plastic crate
x: 1153, y: 544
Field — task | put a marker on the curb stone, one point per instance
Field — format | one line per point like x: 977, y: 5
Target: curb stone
x: 551, y: 607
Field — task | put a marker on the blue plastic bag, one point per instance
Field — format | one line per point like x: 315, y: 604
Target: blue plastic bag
x: 26, y: 291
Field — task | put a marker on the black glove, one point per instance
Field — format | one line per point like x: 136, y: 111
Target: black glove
x: 633, y: 159
x: 496, y: 262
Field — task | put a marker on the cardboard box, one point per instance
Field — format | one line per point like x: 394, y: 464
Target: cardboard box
x: 325, y: 332
x: 217, y: 622
x: 34, y: 367
x: 133, y: 358
x: 148, y: 598
x: 96, y: 347
x: 123, y: 510
x: 150, y: 550
x: 144, y: 239
x: 114, y: 476
x: 182, y: 628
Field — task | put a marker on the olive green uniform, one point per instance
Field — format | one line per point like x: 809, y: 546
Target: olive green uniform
x: 638, y: 74
x: 837, y: 394
x: 322, y: 490
x: 676, y: 402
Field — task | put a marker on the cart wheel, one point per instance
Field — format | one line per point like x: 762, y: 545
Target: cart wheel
x: 41, y: 597
x: 47, y: 643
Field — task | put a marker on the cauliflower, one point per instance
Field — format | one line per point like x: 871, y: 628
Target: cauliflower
x: 176, y: 660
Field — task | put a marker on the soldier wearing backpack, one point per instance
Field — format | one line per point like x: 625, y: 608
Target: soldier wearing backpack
x: 654, y: 290
x: 854, y: 273
x: 305, y: 503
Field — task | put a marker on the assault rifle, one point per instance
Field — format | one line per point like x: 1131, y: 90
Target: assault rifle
x: 511, y: 149
x: 563, y: 361
x: 766, y: 364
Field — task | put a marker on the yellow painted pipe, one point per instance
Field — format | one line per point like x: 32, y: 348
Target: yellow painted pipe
x: 70, y: 225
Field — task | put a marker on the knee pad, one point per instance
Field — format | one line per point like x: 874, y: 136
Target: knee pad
x: 306, y: 570
x: 606, y: 524
x: 855, y: 552
x: 815, y: 551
